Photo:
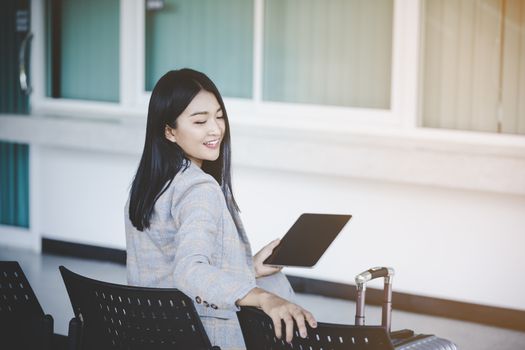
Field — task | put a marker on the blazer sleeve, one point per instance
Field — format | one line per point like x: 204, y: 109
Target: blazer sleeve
x: 199, y: 214
x: 277, y: 284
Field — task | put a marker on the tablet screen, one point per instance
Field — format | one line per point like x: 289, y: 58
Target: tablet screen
x: 307, y: 240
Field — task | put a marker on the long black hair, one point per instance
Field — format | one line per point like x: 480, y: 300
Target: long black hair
x: 162, y: 159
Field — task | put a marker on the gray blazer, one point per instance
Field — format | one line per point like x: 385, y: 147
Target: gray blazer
x: 194, y: 245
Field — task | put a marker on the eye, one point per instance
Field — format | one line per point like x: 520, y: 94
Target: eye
x: 200, y: 123
x: 220, y: 116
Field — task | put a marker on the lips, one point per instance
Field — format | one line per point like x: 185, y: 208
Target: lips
x: 212, y: 143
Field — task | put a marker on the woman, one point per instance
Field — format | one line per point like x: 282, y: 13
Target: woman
x: 183, y: 229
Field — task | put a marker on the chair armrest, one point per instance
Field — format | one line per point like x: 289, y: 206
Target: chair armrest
x: 74, y: 334
x: 47, y: 332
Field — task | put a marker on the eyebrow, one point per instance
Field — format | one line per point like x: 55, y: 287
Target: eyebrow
x: 204, y: 112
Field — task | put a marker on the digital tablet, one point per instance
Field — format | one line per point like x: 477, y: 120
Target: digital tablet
x: 307, y: 240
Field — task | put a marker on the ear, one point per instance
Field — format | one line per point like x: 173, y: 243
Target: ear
x: 169, y: 134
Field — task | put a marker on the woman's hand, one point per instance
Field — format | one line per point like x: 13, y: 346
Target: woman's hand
x: 280, y: 309
x: 262, y: 270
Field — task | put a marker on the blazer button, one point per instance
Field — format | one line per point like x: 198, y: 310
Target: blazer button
x: 205, y: 303
x: 198, y: 299
x: 214, y: 307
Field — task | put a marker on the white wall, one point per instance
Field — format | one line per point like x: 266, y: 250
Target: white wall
x: 456, y: 244
x: 460, y: 245
x: 83, y: 195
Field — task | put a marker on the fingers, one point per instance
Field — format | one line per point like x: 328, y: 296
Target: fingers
x: 268, y: 249
x: 310, y: 319
x: 288, y: 322
x: 299, y: 320
x: 277, y: 326
x: 290, y: 315
x: 274, y: 243
x: 282, y: 310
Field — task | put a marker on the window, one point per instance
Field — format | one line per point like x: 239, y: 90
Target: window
x: 83, y: 49
x: 473, y: 65
x: 354, y: 61
x: 312, y: 52
x: 317, y: 52
x: 212, y: 36
x: 336, y: 52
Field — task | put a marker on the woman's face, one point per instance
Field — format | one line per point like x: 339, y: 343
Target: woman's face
x: 200, y: 129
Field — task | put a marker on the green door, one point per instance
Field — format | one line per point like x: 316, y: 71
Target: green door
x: 15, y: 88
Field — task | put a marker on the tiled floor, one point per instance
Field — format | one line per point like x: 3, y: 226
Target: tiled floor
x: 42, y: 272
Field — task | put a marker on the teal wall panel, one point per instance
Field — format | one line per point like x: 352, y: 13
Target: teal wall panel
x: 14, y: 184
x: 14, y: 158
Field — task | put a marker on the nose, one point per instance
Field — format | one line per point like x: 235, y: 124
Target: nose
x: 214, y: 127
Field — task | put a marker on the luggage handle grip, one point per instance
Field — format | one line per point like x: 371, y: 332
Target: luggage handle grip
x: 360, y: 280
x: 373, y: 273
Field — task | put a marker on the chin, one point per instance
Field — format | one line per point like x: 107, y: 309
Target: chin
x: 211, y: 158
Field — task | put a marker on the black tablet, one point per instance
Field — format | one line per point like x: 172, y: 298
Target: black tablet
x: 307, y: 240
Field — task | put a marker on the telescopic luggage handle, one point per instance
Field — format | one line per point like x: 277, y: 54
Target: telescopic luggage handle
x: 360, y: 280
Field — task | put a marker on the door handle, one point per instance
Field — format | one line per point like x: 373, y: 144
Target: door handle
x: 22, y: 69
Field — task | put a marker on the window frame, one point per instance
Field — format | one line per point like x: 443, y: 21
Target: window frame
x: 402, y: 120
x: 133, y: 98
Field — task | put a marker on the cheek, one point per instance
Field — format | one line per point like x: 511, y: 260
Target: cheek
x: 189, y: 134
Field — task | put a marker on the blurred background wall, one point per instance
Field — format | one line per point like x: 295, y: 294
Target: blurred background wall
x: 407, y: 114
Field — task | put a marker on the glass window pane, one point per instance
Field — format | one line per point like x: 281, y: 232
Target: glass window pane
x: 335, y: 52
x: 83, y: 49
x: 215, y: 37
x: 472, y: 76
x: 513, y: 70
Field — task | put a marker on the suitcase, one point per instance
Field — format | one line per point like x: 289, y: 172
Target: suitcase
x: 404, y: 339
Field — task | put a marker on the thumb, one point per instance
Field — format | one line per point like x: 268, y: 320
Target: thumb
x: 268, y: 249
x: 274, y: 243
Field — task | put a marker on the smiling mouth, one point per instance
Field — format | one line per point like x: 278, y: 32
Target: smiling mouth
x: 212, y: 143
